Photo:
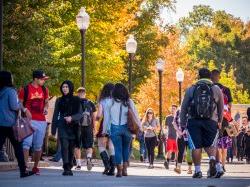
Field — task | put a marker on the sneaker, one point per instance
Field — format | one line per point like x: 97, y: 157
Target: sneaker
x: 150, y: 167
x: 166, y: 164
x: 26, y: 174
x: 223, y: 167
x: 89, y: 164
x: 212, y: 168
x: 67, y: 173
x: 219, y: 174
x: 36, y: 171
x: 177, y: 170
x: 70, y: 173
x: 78, y: 167
x: 197, y: 175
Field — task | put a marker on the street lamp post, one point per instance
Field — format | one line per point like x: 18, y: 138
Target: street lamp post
x: 131, y: 46
x: 180, y: 79
x: 160, y: 67
x: 82, y: 21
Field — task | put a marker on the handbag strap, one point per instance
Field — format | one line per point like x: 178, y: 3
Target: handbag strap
x: 19, y: 116
x: 120, y: 114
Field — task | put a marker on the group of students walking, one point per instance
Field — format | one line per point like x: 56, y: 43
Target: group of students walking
x: 73, y: 121
x: 199, y: 123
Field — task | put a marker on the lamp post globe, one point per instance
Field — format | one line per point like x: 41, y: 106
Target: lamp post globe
x: 131, y: 46
x: 160, y: 65
x: 180, y: 79
x: 82, y: 19
x: 180, y: 75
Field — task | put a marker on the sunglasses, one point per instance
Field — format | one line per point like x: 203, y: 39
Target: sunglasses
x: 150, y: 113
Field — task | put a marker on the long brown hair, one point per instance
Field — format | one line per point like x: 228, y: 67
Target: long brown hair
x: 145, y: 118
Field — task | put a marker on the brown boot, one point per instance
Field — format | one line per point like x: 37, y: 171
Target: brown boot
x: 119, y: 171
x: 124, y: 170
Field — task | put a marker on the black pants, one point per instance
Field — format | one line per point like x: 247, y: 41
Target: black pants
x: 150, y: 144
x: 182, y: 145
x: 181, y: 149
x: 240, y: 152
x: 67, y: 148
x: 7, y: 132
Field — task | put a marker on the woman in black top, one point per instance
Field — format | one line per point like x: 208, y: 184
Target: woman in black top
x: 67, y: 115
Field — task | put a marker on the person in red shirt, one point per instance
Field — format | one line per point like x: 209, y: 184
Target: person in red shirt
x: 35, y: 97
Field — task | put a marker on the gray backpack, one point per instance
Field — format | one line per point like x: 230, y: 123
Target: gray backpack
x: 87, y: 114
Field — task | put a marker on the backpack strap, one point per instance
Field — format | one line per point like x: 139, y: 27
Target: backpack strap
x: 44, y: 93
x: 120, y: 114
x: 26, y: 94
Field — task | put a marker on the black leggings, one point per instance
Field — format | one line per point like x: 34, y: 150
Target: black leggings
x: 182, y: 145
x: 181, y: 149
x: 67, y: 149
x: 7, y: 132
x: 150, y: 144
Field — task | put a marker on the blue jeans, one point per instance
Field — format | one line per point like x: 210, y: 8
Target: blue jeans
x: 121, y: 138
x: 143, y: 150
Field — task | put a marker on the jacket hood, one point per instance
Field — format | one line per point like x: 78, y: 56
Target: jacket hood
x: 207, y: 81
x: 71, y: 87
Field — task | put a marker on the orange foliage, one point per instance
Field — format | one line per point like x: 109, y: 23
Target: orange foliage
x: 175, y: 56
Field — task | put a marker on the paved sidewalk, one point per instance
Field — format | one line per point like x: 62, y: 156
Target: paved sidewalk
x: 237, y: 175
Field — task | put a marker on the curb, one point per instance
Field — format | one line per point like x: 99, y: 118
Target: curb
x: 9, y: 166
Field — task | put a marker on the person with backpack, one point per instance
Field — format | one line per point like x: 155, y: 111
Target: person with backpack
x: 86, y: 130
x: 66, y: 118
x: 150, y: 125
x: 246, y: 139
x: 202, y: 111
x: 9, y: 106
x: 246, y: 145
x: 35, y: 97
x: 118, y: 108
x: 225, y: 141
x: 243, y: 129
x: 105, y: 144
x: 171, y: 143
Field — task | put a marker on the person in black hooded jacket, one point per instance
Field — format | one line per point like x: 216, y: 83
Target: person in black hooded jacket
x: 66, y: 118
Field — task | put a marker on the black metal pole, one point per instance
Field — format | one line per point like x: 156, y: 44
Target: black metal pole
x: 1, y: 35
x: 130, y: 73
x: 180, y: 93
x: 160, y: 147
x: 83, y: 31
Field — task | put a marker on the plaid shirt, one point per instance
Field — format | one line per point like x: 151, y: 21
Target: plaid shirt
x: 177, y: 119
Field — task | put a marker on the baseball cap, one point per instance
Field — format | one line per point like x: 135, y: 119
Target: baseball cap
x: 39, y: 74
x: 81, y: 89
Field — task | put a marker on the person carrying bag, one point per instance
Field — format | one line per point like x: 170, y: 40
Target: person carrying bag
x: 9, y: 105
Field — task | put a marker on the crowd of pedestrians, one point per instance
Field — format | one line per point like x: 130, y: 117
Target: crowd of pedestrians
x: 202, y: 122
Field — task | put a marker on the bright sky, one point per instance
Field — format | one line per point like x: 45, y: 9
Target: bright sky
x: 238, y: 8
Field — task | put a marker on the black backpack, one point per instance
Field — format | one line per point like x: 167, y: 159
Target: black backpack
x: 202, y: 101
x: 26, y: 94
